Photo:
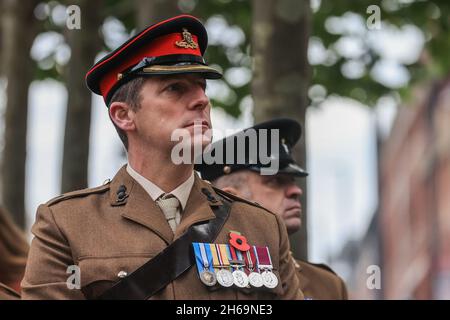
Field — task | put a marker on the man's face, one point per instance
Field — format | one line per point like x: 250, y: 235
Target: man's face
x: 169, y: 103
x: 280, y: 194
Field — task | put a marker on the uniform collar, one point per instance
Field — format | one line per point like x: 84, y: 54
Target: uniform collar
x: 136, y: 205
x: 181, y: 192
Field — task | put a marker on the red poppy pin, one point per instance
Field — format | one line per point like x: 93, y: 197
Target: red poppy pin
x: 238, y: 241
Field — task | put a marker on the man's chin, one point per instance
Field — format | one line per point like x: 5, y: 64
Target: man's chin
x: 293, y: 225
x: 198, y: 147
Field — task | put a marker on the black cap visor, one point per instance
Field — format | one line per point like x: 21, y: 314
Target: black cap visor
x: 290, y: 169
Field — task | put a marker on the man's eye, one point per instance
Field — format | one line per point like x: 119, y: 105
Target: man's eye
x: 272, y: 181
x: 277, y: 181
x: 174, y: 87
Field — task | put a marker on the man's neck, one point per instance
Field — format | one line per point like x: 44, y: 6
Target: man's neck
x: 160, y: 169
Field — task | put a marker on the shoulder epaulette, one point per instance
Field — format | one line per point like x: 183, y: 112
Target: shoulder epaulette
x: 232, y: 197
x: 78, y: 193
x: 322, y: 266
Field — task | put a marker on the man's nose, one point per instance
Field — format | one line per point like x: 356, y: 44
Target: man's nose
x: 200, y: 99
x: 293, y: 191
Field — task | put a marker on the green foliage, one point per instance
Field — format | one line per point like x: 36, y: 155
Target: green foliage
x: 431, y: 17
x: 236, y: 13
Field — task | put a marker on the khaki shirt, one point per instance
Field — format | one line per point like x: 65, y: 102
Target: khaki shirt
x: 181, y: 192
x: 105, y: 237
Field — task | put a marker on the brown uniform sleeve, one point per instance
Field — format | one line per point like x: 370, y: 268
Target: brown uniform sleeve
x: 344, y: 292
x: 48, y: 261
x: 289, y: 279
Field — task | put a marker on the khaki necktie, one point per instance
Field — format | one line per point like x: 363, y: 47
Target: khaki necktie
x: 169, y: 205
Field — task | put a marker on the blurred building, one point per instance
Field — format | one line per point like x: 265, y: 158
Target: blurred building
x: 409, y: 235
x: 414, y: 209
x: 355, y: 264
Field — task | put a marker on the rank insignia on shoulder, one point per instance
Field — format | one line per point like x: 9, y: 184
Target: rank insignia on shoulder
x: 228, y: 266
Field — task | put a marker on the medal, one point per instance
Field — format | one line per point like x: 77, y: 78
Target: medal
x: 240, y: 279
x: 224, y: 276
x: 228, y: 266
x: 254, y: 278
x: 270, y: 280
x: 208, y: 278
x: 203, y: 260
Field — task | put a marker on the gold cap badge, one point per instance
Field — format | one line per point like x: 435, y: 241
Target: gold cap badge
x: 187, y: 42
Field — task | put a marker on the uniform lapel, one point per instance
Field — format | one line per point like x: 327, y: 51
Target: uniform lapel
x: 199, y: 206
x: 138, y: 206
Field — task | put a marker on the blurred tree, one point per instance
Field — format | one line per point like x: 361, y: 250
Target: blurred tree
x: 149, y: 12
x: 229, y: 33
x: 84, y: 43
x: 19, y: 29
x: 347, y: 52
x: 281, y: 75
x: 343, y: 51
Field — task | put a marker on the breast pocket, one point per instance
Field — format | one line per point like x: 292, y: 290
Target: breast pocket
x: 98, y: 274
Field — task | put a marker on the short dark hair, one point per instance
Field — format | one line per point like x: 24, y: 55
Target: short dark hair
x: 129, y: 93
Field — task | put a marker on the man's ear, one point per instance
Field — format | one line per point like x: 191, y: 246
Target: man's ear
x: 122, y: 115
x: 232, y: 191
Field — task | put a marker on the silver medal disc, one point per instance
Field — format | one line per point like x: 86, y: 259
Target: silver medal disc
x: 255, y: 279
x: 270, y: 280
x: 224, y: 278
x: 208, y: 278
x: 240, y: 279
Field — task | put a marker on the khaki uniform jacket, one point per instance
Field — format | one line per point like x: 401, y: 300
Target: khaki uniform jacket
x: 6, y: 293
x: 103, y: 236
x: 319, y: 282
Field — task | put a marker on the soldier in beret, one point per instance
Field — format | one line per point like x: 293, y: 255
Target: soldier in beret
x: 280, y: 194
x: 142, y: 235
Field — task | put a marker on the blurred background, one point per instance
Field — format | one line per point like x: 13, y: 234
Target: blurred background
x: 369, y: 81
